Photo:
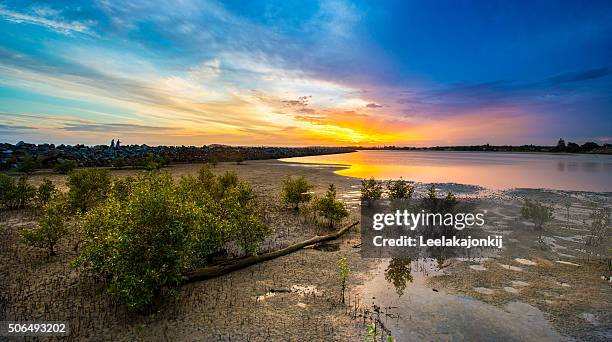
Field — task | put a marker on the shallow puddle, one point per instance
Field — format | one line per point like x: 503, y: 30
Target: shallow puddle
x: 511, y: 268
x: 478, y: 267
x: 418, y: 312
x: 525, y: 262
x: 567, y: 263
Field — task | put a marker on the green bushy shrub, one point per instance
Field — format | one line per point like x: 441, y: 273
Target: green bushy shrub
x: 239, y: 159
x: 51, y: 225
x: 7, y: 186
x: 119, y: 163
x: 400, y: 190
x: 142, y: 243
x: 213, y: 161
x: 28, y: 165
x: 432, y: 203
x: 151, y: 230
x: 151, y: 162
x: 371, y: 190
x: 45, y: 192
x: 242, y: 217
x: 227, y: 181
x: 65, y: 167
x: 329, y: 208
x: 88, y: 187
x: 15, y: 194
x: 121, y: 187
x: 207, y: 178
x: 232, y: 201
x: 538, y: 213
x: 296, y: 191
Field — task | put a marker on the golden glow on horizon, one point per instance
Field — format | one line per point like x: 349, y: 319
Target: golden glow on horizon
x: 201, y: 108
x: 501, y: 171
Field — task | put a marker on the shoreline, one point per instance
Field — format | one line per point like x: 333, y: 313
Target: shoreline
x: 429, y: 149
x: 391, y: 169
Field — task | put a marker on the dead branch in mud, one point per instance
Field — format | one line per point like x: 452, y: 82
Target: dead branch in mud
x: 227, y: 267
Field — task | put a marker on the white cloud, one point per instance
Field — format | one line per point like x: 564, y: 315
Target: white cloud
x: 208, y: 70
x: 46, y: 17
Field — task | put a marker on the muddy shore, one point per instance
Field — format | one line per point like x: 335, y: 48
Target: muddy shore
x: 297, y: 297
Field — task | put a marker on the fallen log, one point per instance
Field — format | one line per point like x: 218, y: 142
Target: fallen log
x: 221, y: 269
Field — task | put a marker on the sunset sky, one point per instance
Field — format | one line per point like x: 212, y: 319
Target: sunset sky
x: 306, y: 72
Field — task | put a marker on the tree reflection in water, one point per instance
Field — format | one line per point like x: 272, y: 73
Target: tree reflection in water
x: 399, y: 273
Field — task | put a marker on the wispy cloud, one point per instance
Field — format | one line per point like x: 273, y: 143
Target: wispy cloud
x: 313, y: 74
x: 6, y: 127
x: 113, y: 128
x: 459, y: 98
x: 48, y: 18
x: 579, y: 76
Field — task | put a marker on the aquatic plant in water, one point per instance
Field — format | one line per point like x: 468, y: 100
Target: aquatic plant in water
x: 538, y: 213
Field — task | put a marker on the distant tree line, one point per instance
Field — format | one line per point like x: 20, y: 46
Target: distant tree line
x: 570, y: 147
x: 588, y: 147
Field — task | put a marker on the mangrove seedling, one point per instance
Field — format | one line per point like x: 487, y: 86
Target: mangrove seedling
x: 600, y: 227
x: 45, y: 192
x: 330, y: 208
x: 400, y: 190
x: 538, y: 213
x: 373, y: 333
x: 344, y: 270
x: 15, y: 194
x: 296, y: 191
x: 51, y: 226
x: 567, y: 203
x: 371, y: 190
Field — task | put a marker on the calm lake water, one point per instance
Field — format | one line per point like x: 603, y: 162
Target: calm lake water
x: 491, y: 170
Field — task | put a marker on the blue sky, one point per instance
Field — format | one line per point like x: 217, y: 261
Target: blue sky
x: 306, y: 72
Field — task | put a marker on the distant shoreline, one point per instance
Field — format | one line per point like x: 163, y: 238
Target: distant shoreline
x: 427, y: 149
x: 588, y: 149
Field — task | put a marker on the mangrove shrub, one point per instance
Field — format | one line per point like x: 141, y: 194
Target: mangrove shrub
x: 45, y: 192
x: 28, y: 165
x: 328, y: 207
x: 51, y: 225
x: 400, y: 190
x: 371, y: 190
x: 296, y: 191
x: 343, y: 270
x: 15, y: 194
x: 538, y: 213
x: 150, y: 231
x: 65, y: 167
x: 88, y: 187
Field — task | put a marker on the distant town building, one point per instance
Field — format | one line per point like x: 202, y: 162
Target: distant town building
x: 561, y: 144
